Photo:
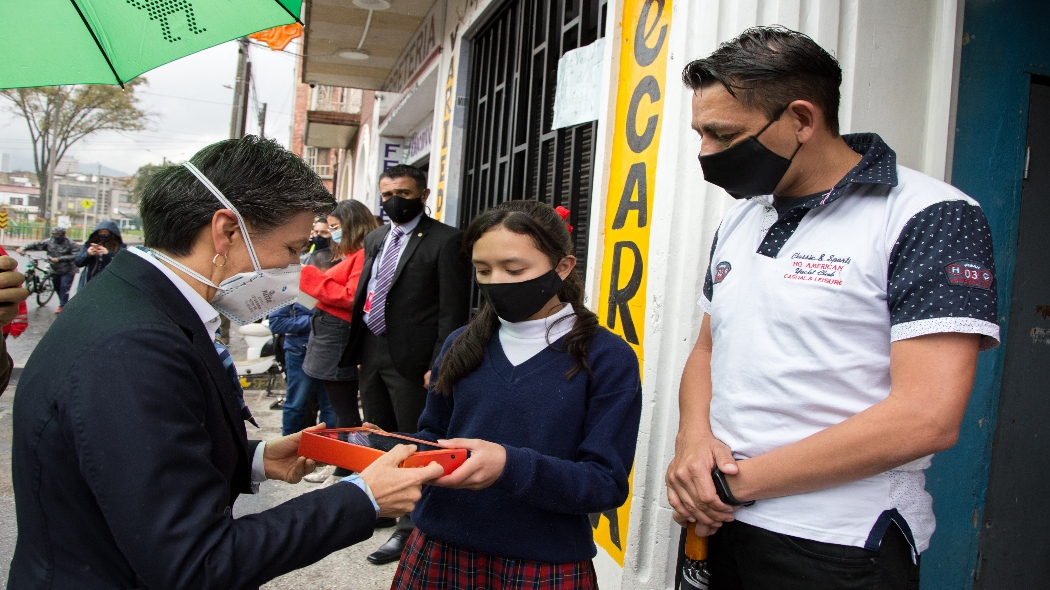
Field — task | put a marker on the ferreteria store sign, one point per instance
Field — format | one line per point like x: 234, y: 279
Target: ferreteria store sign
x: 424, y: 43
x: 632, y: 176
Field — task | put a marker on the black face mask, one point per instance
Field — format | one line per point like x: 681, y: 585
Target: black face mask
x: 402, y: 210
x: 747, y: 169
x: 515, y: 302
x: 320, y: 242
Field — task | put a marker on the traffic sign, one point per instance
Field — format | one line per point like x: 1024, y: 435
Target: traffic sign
x: 3, y: 219
x: 87, y: 203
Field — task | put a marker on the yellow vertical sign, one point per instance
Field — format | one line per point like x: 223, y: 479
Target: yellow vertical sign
x: 446, y: 137
x: 632, y: 178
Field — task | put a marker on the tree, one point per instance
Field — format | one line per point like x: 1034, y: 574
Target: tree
x: 142, y: 177
x: 60, y: 116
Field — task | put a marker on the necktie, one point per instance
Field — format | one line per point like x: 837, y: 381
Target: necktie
x: 384, y: 278
x: 231, y: 372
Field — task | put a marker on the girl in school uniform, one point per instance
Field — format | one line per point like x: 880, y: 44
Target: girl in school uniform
x: 548, y: 403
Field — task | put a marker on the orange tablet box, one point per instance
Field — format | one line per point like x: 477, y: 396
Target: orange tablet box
x: 356, y: 448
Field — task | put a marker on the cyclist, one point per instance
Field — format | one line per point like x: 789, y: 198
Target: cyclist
x: 60, y: 251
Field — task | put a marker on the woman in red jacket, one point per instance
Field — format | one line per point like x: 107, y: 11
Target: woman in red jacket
x: 334, y: 290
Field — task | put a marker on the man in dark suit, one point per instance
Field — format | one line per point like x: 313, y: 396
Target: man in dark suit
x: 413, y: 293
x: 129, y: 440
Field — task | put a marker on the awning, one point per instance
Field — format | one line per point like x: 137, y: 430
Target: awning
x: 327, y: 129
x: 336, y: 56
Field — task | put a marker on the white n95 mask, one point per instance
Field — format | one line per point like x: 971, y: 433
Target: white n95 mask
x: 248, y: 296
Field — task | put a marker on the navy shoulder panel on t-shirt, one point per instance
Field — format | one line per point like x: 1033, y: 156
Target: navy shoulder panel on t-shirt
x: 709, y: 280
x: 941, y: 266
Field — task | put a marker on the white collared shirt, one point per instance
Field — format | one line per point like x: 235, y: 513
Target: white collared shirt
x: 210, y: 318
x: 407, y: 228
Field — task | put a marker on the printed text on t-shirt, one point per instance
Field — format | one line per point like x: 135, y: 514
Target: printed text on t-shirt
x: 826, y: 269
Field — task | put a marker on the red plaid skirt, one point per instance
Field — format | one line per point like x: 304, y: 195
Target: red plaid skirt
x: 429, y: 564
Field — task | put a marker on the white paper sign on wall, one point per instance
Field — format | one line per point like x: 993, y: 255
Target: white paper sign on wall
x: 578, y: 96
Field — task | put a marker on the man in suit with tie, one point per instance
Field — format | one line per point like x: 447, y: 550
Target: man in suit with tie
x: 129, y: 440
x: 413, y: 293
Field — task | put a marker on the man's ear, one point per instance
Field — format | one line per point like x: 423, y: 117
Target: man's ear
x: 808, y: 118
x: 426, y: 193
x: 565, y: 266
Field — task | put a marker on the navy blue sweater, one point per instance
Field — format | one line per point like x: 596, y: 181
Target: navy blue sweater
x: 570, y: 445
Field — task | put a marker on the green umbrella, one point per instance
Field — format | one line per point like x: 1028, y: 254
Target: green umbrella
x: 58, y: 42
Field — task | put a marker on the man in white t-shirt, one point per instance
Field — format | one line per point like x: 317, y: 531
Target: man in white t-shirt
x: 845, y: 304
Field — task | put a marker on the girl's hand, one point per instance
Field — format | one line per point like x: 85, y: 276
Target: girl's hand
x: 481, y: 469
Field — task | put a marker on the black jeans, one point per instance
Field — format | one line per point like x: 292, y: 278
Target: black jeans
x: 746, y: 557
x: 62, y: 285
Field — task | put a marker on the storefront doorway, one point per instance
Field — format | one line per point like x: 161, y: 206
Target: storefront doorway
x: 1015, y: 544
x: 510, y: 151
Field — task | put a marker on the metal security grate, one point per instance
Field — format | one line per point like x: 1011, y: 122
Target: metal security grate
x: 510, y: 150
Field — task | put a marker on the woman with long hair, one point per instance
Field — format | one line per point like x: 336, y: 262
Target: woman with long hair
x: 334, y: 290
x: 548, y: 404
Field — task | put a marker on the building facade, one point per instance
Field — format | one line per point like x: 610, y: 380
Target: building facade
x: 325, y: 125
x: 579, y: 103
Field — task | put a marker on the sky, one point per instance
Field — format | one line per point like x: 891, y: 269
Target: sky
x: 191, y: 100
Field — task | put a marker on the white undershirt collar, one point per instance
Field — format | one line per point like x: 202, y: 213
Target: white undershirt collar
x: 524, y: 340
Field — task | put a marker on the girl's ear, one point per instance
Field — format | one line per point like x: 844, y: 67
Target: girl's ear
x: 565, y: 266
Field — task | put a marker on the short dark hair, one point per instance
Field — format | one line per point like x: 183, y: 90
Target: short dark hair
x: 265, y: 182
x: 767, y: 68
x: 404, y: 171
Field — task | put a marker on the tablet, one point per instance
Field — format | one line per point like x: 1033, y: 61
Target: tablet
x: 356, y: 448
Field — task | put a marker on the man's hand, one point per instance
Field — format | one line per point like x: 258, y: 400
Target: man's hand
x: 690, y: 489
x: 281, y: 458
x: 482, y: 469
x: 53, y: 259
x: 426, y: 379
x: 20, y: 250
x: 397, y: 489
x: 11, y: 291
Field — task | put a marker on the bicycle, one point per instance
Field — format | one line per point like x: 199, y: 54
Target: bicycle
x: 38, y: 280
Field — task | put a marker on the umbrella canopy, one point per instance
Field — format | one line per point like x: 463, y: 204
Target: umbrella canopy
x: 59, y: 42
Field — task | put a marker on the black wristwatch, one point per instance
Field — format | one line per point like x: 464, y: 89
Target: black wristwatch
x: 722, y: 489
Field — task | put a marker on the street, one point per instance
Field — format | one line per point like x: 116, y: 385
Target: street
x: 341, y: 570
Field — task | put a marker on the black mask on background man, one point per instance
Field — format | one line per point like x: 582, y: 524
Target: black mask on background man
x: 319, y: 242
x: 747, y: 169
x: 515, y: 302
x: 402, y: 210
